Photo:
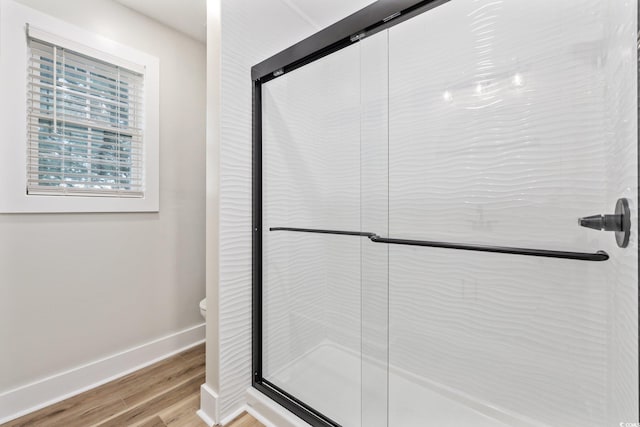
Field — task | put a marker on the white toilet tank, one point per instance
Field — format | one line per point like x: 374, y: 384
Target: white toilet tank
x: 203, y: 308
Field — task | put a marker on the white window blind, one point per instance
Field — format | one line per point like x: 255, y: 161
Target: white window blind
x: 85, y: 125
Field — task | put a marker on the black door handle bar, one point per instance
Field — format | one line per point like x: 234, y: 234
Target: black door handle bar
x: 582, y: 256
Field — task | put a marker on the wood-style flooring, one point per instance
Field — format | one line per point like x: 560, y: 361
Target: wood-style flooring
x: 165, y: 394
x: 245, y: 420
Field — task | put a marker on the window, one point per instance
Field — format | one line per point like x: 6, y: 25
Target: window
x: 85, y: 131
x: 79, y: 118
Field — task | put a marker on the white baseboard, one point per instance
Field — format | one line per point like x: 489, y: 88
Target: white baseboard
x: 269, y: 412
x: 47, y: 391
x: 208, y: 411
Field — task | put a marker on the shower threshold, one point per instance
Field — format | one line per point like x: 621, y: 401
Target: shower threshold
x: 312, y: 378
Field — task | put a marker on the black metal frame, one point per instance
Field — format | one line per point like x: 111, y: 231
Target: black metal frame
x: 374, y: 18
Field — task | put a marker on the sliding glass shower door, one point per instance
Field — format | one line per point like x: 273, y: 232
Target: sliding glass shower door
x: 508, y: 121
x: 425, y: 251
x: 312, y: 329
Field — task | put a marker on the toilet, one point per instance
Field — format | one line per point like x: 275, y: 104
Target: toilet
x: 203, y: 308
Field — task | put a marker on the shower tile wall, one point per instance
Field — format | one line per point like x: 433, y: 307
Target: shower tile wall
x: 251, y: 30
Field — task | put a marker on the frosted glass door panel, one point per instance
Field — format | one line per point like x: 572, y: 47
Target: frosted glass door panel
x: 311, y: 282
x: 509, y: 120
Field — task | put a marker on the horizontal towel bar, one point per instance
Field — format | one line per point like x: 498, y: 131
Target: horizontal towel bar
x: 581, y: 256
x: 316, y: 230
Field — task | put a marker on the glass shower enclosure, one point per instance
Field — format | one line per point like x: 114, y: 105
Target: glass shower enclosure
x: 445, y: 217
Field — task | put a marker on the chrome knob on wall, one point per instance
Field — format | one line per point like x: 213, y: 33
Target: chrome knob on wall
x: 619, y: 222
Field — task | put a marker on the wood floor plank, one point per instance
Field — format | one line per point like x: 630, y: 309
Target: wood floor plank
x: 139, y: 378
x: 183, y: 414
x: 137, y: 398
x: 152, y: 406
x: 145, y: 378
x: 152, y: 378
x: 195, y: 352
x: 80, y: 411
x: 245, y: 420
x: 179, y: 371
x: 155, y: 421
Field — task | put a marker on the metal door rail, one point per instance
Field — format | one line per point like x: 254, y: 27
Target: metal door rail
x: 581, y: 256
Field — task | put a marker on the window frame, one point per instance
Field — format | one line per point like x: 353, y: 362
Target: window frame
x: 15, y: 22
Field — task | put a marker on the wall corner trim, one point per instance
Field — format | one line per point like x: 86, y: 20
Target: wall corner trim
x: 208, y: 411
x: 55, y: 388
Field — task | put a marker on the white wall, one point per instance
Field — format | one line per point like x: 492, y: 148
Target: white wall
x: 251, y: 32
x: 213, y: 199
x: 75, y: 288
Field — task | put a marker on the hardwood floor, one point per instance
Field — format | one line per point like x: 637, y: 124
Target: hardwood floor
x: 166, y: 394
x: 245, y: 420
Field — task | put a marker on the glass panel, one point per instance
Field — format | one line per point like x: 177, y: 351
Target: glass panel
x: 311, y: 282
x: 508, y: 121
x: 374, y: 217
